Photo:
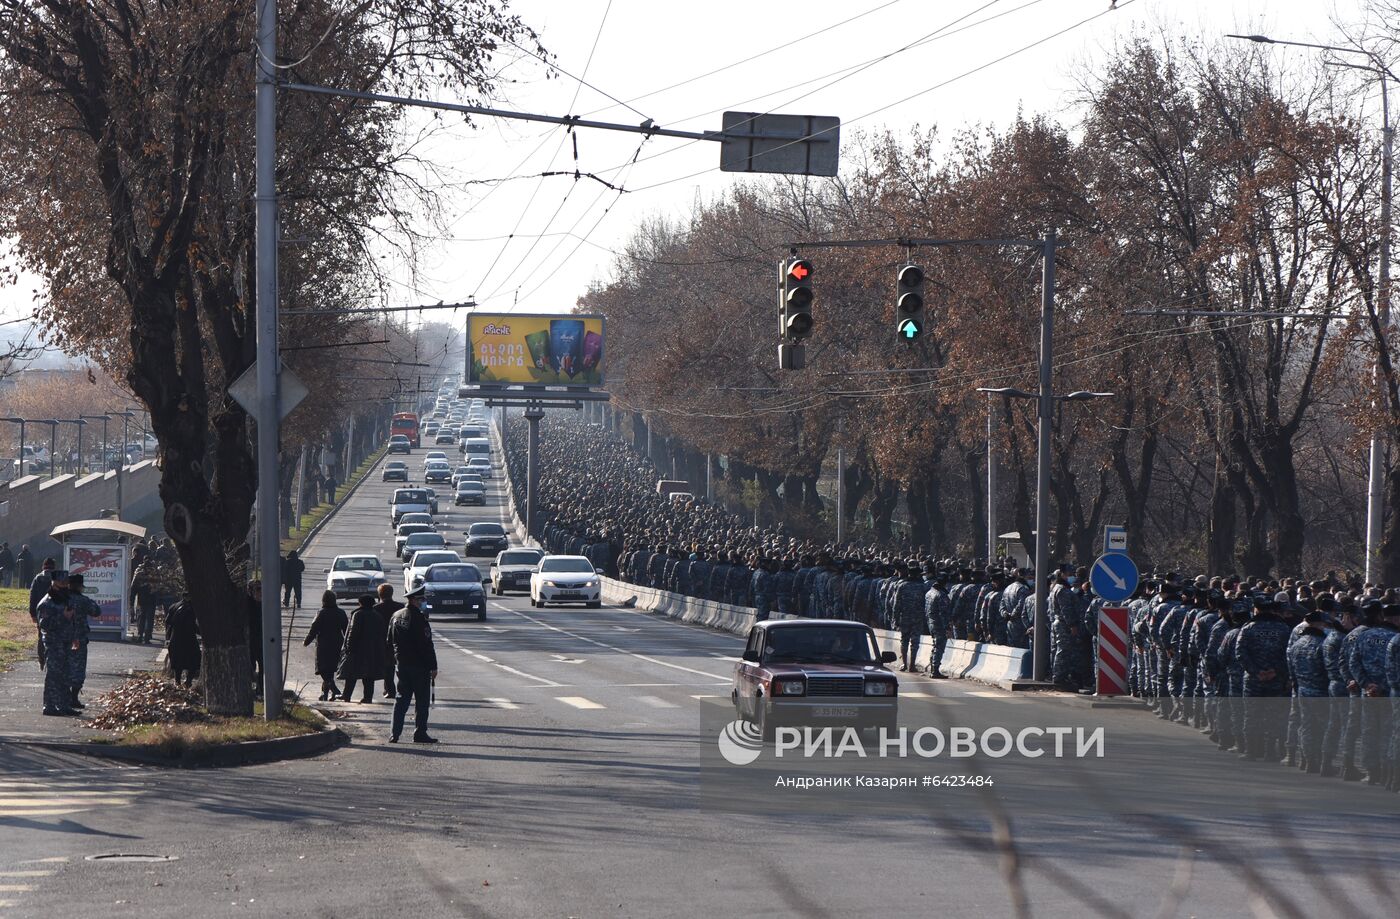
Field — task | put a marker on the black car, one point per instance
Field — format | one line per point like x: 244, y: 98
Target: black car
x: 395, y: 472
x: 445, y: 440
x: 441, y: 473
x: 399, y: 444
x: 486, y: 539
x: 470, y: 493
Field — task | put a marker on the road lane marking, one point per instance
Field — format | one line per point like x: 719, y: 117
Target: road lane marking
x: 656, y: 702
x: 481, y: 657
x: 594, y: 641
x: 25, y: 874
x: 503, y: 703
x: 16, y: 888
x: 702, y: 696
x: 579, y: 702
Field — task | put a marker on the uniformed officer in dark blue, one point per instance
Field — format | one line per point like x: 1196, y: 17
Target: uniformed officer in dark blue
x: 1308, y: 670
x: 1262, y: 650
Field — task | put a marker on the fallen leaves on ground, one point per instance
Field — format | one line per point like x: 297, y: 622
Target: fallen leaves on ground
x: 148, y: 700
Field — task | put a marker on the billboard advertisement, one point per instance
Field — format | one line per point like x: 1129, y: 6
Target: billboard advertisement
x: 546, y: 350
x: 103, y: 567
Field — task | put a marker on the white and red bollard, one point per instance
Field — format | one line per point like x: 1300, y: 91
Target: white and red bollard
x: 1114, y: 648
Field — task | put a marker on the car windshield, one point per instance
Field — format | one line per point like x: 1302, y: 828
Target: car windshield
x: 410, y: 496
x: 408, y: 529
x: 399, y: 437
x: 424, y: 559
x: 818, y: 644
x: 487, y: 529
x: 478, y: 461
x: 469, y: 487
x: 416, y: 518
x: 418, y: 540
x: 456, y: 573
x: 521, y: 557
x: 438, y: 466
x: 358, y: 563
x: 569, y: 565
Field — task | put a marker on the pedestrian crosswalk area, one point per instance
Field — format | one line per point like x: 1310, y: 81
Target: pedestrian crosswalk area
x: 51, y: 798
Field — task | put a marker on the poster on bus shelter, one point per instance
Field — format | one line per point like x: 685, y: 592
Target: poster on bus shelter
x: 549, y: 350
x: 103, y: 568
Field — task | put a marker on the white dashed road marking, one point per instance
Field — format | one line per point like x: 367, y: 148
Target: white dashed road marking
x: 578, y: 702
x: 656, y: 702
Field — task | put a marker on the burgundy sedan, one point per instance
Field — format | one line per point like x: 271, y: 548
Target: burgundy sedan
x: 816, y: 672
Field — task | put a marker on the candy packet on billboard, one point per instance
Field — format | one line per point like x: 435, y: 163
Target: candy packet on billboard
x: 592, y: 351
x: 538, y: 343
x: 566, y: 345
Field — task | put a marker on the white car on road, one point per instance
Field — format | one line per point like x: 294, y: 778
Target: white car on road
x: 352, y: 576
x: 418, y: 565
x: 566, y: 579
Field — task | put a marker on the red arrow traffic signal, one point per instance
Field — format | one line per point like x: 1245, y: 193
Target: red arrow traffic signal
x: 800, y: 270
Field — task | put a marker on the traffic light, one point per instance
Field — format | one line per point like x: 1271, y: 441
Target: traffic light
x: 909, y: 303
x: 797, y: 300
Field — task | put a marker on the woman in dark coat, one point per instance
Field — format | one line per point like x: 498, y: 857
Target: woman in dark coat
x: 363, y: 655
x: 182, y: 642
x: 328, y: 631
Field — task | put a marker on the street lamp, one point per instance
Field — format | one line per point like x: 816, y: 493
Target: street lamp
x: 104, y: 418
x: 53, y: 443
x: 78, y: 466
x: 1375, y: 488
x: 21, y: 422
x: 121, y: 457
x: 1040, y: 646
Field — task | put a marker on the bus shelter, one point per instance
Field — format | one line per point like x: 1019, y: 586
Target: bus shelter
x: 100, y: 550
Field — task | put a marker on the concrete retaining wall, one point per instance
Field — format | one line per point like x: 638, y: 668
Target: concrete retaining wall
x: 34, y: 505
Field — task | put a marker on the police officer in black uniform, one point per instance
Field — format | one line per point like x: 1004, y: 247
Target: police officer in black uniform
x: 411, y: 643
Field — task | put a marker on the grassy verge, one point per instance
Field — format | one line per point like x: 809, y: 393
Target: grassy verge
x: 315, y: 514
x: 175, y: 741
x: 16, y: 630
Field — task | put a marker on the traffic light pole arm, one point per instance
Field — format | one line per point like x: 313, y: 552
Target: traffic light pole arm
x: 568, y: 120
x: 915, y: 243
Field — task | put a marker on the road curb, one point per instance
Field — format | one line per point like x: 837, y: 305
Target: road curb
x: 246, y: 753
x: 335, y: 508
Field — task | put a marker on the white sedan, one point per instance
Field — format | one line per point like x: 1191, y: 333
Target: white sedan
x: 566, y: 579
x: 352, y: 576
x: 417, y: 566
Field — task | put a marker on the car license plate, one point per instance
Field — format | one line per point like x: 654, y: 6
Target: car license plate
x: 568, y: 594
x: 834, y: 711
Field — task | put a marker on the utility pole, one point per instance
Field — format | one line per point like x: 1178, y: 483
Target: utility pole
x: 991, y: 483
x: 709, y: 484
x: 1045, y: 422
x: 532, y: 468
x: 268, y: 418
x: 841, y: 480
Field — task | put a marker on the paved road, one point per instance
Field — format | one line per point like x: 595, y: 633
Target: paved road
x: 567, y: 785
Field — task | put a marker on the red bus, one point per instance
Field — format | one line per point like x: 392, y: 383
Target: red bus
x: 405, y: 423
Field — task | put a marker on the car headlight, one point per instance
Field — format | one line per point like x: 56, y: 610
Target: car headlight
x: 549, y: 583
x: 590, y: 583
x: 790, y: 687
x: 879, y: 688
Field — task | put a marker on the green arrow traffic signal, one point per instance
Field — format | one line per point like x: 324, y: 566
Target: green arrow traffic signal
x: 910, y: 329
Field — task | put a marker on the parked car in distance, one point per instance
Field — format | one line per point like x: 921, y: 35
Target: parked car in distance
x: 819, y: 672
x: 512, y: 569
x: 565, y: 579
x: 353, y: 576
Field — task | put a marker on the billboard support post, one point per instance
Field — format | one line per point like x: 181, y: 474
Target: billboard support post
x: 532, y: 468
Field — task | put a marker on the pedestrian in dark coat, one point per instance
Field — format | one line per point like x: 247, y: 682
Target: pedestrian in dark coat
x: 328, y: 631
x: 24, y: 565
x: 182, y: 641
x: 7, y: 564
x: 386, y: 608
x: 362, y: 657
x: 411, y: 646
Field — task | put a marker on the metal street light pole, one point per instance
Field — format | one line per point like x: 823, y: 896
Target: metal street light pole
x: 841, y: 481
x: 268, y: 418
x: 121, y: 458
x: 991, y: 484
x: 1375, y: 476
x: 21, y: 422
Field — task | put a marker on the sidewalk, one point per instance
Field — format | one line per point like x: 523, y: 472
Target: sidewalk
x: 22, y: 690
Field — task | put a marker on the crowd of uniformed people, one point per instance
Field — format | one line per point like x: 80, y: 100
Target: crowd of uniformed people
x: 1207, y: 652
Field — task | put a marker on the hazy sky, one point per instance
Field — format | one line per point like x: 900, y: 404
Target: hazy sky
x: 683, y: 64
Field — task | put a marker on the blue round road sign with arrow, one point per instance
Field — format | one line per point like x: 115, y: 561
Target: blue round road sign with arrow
x: 1114, y: 577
